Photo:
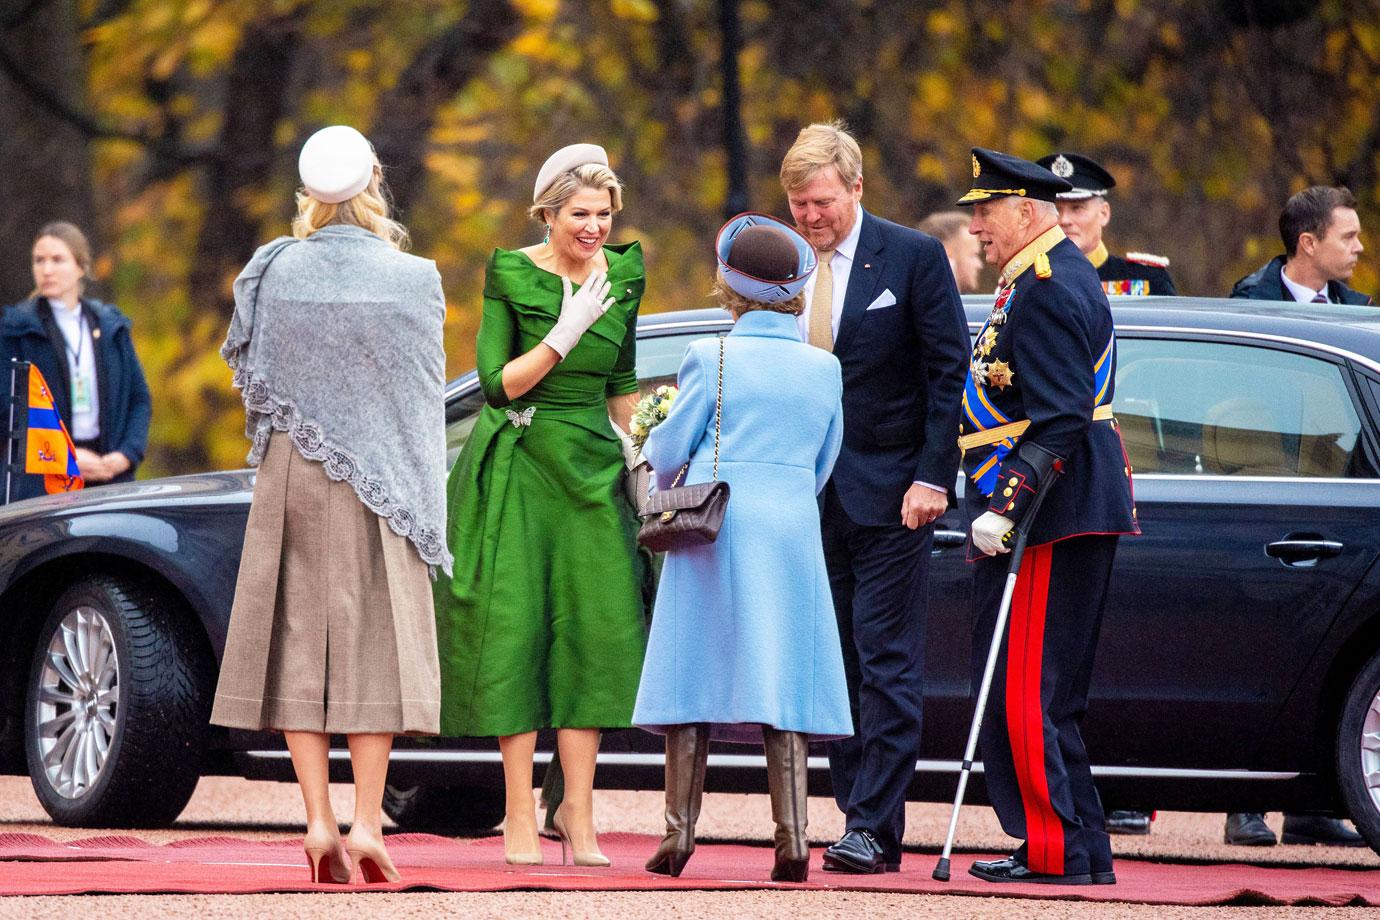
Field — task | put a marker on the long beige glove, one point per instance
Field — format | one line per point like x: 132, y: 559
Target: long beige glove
x: 579, y: 311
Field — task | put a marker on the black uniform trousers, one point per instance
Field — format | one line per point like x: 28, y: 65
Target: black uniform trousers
x: 1035, y: 765
x: 878, y: 577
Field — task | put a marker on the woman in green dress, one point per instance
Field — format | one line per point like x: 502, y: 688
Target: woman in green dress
x: 542, y: 624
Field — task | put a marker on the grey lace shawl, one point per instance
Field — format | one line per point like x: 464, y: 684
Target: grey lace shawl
x: 336, y: 341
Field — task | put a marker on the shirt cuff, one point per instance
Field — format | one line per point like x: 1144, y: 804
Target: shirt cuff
x: 931, y: 486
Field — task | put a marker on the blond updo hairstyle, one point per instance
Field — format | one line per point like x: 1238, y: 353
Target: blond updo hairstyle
x: 737, y: 304
x: 564, y: 187
x: 371, y: 209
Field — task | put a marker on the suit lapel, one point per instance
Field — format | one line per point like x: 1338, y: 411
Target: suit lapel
x: 862, y: 280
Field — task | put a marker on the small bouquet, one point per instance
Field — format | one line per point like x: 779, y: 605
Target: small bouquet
x: 651, y: 410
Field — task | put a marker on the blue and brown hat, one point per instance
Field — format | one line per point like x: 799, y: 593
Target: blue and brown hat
x: 1000, y: 175
x: 764, y: 259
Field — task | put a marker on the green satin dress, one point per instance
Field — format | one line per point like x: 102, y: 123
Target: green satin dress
x: 543, y: 623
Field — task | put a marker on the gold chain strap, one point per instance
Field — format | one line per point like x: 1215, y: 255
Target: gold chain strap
x: 718, y: 420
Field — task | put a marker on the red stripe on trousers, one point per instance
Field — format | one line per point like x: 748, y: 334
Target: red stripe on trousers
x: 1025, y: 715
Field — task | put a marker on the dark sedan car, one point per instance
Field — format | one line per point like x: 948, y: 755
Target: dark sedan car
x: 1239, y: 664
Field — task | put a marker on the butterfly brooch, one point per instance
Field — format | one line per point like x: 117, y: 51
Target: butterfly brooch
x: 521, y: 419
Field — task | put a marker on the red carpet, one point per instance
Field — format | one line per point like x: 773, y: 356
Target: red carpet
x: 231, y: 865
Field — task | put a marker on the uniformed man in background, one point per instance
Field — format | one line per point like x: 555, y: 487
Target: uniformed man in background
x: 1084, y: 213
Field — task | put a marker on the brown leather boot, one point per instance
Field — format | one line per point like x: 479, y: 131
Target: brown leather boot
x: 787, y: 780
x: 687, y: 753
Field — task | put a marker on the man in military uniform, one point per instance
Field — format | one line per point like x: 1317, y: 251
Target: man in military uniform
x: 1084, y: 213
x: 1037, y: 403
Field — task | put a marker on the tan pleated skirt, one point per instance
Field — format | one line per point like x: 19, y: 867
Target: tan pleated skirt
x: 332, y: 628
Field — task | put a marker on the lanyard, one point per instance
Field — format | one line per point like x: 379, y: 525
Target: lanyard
x: 81, y: 342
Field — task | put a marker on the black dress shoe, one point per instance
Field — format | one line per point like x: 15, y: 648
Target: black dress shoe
x: 1248, y: 829
x: 1012, y: 870
x: 857, y: 852
x: 1128, y: 822
x: 1308, y: 829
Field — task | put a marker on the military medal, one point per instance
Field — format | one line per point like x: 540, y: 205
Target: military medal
x: 987, y: 341
x: 999, y: 374
x: 979, y: 370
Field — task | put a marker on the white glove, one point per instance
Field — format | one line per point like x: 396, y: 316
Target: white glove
x: 579, y: 311
x: 631, y: 455
x: 988, y: 530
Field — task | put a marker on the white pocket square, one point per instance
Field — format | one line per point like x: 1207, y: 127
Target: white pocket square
x: 884, y: 300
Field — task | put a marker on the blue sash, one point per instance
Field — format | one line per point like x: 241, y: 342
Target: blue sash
x: 980, y: 414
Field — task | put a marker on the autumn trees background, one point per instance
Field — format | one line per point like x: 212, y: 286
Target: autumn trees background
x: 170, y: 128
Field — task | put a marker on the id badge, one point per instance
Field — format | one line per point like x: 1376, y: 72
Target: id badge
x: 81, y: 394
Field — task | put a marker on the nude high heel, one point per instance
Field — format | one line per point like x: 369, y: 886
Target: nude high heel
x: 592, y: 858
x: 529, y: 858
x: 326, y: 859
x: 374, y: 864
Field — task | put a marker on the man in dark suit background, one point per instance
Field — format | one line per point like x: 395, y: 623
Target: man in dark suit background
x: 883, y: 300
x: 1322, y: 241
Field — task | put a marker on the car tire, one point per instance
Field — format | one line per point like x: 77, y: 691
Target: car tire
x: 1358, y: 752
x: 117, y: 708
x: 443, y: 809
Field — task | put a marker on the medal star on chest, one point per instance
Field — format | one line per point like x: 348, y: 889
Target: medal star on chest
x: 1000, y: 375
x: 986, y: 342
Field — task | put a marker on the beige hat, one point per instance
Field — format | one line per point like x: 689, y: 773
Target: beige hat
x: 336, y: 164
x: 564, y: 160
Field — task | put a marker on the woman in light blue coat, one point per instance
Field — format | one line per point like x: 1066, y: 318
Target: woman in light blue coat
x: 744, y: 645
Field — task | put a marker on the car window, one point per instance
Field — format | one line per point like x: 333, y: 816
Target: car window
x: 658, y: 360
x: 1194, y: 408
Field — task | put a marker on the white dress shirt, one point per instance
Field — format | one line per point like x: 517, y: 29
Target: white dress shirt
x: 1299, y: 292
x: 842, y: 264
x: 80, y: 360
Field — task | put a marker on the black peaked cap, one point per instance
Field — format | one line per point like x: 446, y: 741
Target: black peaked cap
x: 1000, y: 175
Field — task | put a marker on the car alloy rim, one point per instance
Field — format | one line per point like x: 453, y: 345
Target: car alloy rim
x: 1370, y: 750
x: 78, y: 690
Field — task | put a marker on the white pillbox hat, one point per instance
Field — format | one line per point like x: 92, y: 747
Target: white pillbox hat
x: 566, y: 159
x: 336, y: 164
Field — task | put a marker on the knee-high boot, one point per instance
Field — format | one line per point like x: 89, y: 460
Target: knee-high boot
x: 687, y: 754
x: 787, y: 779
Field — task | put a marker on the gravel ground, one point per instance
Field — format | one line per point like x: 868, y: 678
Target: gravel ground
x: 273, y: 810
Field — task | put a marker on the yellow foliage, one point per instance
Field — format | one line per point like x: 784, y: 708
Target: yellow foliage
x: 634, y: 10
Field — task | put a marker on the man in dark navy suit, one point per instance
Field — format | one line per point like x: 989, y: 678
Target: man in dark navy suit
x: 883, y: 300
x: 1038, y: 404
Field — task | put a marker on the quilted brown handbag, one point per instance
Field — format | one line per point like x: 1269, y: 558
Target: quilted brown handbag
x: 686, y: 516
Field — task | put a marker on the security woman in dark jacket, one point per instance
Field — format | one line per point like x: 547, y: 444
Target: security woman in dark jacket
x: 84, y: 350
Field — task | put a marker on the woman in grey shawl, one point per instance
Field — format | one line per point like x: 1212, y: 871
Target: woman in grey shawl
x: 336, y: 346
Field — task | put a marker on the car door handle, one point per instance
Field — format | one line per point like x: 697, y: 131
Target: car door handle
x: 1293, y: 551
x: 944, y: 539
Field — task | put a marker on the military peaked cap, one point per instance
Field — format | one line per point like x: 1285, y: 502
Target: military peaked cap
x: 1000, y: 175
x: 1086, y: 175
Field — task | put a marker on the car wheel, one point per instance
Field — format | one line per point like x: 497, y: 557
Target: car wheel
x: 443, y: 808
x: 119, y: 695
x: 1358, y: 752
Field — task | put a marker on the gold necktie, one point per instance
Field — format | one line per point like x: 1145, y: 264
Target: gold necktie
x: 821, y: 328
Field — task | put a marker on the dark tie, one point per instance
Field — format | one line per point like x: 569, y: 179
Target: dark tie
x: 1319, y: 298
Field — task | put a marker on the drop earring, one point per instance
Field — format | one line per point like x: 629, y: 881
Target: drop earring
x: 547, y: 239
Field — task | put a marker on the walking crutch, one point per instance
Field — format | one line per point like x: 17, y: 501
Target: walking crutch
x: 1016, y: 539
